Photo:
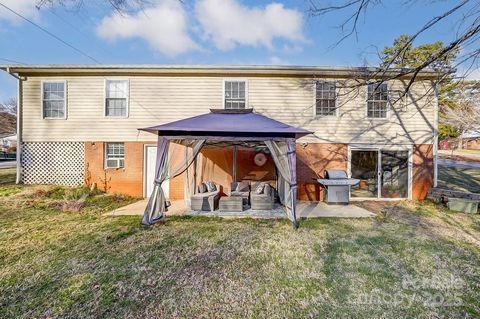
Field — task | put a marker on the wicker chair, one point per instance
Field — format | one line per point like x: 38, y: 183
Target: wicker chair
x: 264, y: 200
x: 205, y: 201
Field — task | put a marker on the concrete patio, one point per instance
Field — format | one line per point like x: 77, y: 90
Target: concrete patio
x: 304, y: 210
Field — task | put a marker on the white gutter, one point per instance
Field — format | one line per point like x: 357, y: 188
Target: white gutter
x: 435, y: 136
x: 217, y: 70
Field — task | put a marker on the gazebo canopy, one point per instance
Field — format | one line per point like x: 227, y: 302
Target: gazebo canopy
x: 224, y: 125
x: 229, y: 123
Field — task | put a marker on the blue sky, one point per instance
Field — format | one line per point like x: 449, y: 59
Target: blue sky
x: 208, y: 32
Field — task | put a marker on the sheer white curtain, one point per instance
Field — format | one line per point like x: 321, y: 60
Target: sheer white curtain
x: 173, y: 158
x: 285, y: 157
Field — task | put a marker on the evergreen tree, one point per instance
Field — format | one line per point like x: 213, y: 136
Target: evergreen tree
x: 403, y: 54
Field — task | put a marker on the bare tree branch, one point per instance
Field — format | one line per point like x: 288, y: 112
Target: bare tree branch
x: 9, y: 106
x: 467, y: 36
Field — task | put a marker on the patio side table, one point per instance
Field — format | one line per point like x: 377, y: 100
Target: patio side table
x: 231, y: 203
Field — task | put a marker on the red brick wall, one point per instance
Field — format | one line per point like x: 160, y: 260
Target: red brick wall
x: 422, y: 170
x: 216, y: 164
x: 127, y: 180
x: 312, y: 161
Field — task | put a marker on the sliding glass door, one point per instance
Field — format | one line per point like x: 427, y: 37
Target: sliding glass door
x: 394, y: 174
x: 364, y: 166
x: 382, y: 173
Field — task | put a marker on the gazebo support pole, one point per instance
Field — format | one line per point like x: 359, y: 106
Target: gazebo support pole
x: 234, y: 174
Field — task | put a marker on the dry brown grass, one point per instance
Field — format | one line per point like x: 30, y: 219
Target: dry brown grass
x: 83, y: 265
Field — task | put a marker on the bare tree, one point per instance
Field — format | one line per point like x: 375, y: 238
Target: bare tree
x: 117, y: 5
x: 466, y: 40
x: 9, y: 106
x: 465, y: 116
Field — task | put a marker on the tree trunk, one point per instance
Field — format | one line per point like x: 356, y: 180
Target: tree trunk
x: 460, y: 142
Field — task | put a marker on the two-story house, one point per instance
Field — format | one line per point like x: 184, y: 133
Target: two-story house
x: 79, y: 124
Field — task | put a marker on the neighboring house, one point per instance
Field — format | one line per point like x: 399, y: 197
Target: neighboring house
x: 8, y: 143
x: 79, y: 124
x: 470, y: 141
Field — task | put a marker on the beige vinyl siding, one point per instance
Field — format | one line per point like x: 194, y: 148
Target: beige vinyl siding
x: 159, y: 99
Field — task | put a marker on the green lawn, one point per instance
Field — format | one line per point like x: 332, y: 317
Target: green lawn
x: 7, y: 176
x: 413, y: 260
x: 461, y: 179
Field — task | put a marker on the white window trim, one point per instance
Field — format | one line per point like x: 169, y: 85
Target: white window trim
x: 379, y: 148
x: 315, y: 115
x: 65, y: 102
x: 247, y: 105
x: 105, y: 98
x: 388, y: 105
x: 105, y: 156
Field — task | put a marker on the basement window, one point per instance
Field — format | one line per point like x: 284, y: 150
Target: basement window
x: 114, y: 155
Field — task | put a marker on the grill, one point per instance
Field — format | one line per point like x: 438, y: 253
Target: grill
x: 337, y: 186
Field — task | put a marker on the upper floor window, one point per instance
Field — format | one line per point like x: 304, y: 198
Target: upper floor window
x: 377, y: 100
x: 54, y: 100
x: 325, y: 98
x: 116, y: 98
x: 235, y: 95
x: 114, y: 155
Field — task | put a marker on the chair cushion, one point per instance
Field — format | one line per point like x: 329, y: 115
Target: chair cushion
x: 202, y: 188
x: 211, y: 186
x: 242, y: 187
x: 267, y: 189
x: 259, y: 188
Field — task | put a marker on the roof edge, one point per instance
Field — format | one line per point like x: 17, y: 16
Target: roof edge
x: 203, y: 69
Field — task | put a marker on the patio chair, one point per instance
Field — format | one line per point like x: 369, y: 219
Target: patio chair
x: 205, y: 200
x: 264, y: 200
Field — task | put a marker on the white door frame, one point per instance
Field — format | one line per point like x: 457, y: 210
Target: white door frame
x: 379, y: 150
x: 145, y: 156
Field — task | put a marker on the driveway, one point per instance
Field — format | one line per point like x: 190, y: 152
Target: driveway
x: 458, y: 164
x: 458, y: 153
x: 8, y: 164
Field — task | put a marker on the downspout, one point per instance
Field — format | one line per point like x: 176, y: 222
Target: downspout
x: 19, y: 124
x: 435, y: 136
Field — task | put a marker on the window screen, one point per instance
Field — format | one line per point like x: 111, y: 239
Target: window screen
x: 325, y: 101
x: 235, y: 95
x: 114, y: 155
x: 377, y: 100
x: 53, y: 99
x: 116, y: 98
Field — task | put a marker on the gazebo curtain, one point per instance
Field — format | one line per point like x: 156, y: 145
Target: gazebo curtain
x: 284, y: 156
x: 173, y: 158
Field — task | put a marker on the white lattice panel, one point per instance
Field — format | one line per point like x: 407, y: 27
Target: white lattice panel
x: 57, y: 163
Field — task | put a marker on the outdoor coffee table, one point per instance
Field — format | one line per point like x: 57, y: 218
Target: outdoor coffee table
x: 231, y: 203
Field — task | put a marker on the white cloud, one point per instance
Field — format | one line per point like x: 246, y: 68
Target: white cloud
x: 26, y: 8
x: 228, y: 23
x: 164, y: 26
x: 275, y: 60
